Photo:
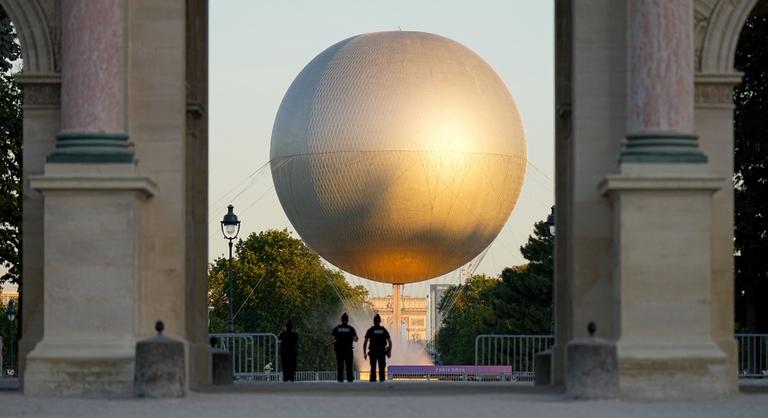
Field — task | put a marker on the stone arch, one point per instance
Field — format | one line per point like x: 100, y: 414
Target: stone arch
x: 37, y: 33
x: 717, y: 28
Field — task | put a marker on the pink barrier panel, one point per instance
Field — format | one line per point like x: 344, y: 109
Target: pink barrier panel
x: 450, y: 369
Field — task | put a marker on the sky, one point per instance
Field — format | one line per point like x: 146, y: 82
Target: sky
x: 257, y: 48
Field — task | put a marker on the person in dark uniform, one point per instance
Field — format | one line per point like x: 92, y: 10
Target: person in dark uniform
x: 289, y: 348
x: 343, y: 336
x: 380, y: 348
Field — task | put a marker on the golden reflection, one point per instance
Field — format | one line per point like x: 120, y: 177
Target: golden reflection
x: 398, y: 156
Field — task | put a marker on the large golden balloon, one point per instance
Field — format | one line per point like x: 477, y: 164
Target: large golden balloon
x: 398, y: 156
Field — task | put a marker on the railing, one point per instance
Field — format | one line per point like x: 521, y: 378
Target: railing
x: 517, y: 351
x: 327, y: 375
x: 753, y: 355
x: 301, y: 376
x: 254, y: 356
x: 363, y: 375
x: 320, y: 376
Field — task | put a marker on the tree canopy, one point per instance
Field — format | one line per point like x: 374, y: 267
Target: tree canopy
x: 751, y: 177
x: 518, y: 302
x: 277, y: 278
x: 10, y: 156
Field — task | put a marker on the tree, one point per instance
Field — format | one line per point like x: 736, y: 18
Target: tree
x: 10, y: 156
x: 751, y: 177
x: 277, y: 278
x: 467, y: 312
x: 519, y: 302
x: 523, y: 299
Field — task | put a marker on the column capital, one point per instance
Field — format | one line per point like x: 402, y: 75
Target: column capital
x: 39, y: 90
x: 716, y: 89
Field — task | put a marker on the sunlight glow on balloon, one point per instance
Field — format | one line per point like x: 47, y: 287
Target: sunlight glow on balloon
x: 398, y: 156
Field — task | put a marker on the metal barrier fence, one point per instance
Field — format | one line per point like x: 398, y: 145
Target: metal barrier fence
x: 326, y: 375
x: 517, y: 351
x: 363, y: 375
x: 254, y: 355
x: 753, y: 355
x: 301, y: 376
x: 510, y: 350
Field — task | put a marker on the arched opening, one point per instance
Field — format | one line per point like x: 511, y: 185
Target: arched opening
x: 10, y: 195
x: 751, y: 175
x: 290, y: 39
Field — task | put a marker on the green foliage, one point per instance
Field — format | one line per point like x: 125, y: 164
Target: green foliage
x: 277, y: 278
x: 751, y: 177
x: 519, y: 302
x: 5, y: 329
x: 10, y: 157
x: 471, y: 314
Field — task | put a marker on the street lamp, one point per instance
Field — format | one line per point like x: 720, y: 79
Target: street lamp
x: 11, y: 311
x: 551, y: 227
x: 551, y: 222
x: 230, y: 227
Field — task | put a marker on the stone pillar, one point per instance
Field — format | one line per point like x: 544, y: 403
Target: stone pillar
x: 714, y: 123
x: 660, y: 108
x: 42, y: 121
x: 93, y: 199
x: 661, y: 219
x: 93, y: 84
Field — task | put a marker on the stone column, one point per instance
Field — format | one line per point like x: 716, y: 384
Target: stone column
x: 93, y: 201
x: 661, y: 219
x: 660, y: 107
x: 93, y: 84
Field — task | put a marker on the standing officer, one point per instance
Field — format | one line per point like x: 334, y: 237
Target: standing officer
x: 343, y: 336
x: 381, y: 346
x: 289, y: 348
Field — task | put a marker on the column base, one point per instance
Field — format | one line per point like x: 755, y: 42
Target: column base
x: 60, y: 367
x: 92, y: 294
x: 198, y: 364
x: 692, y: 370
x: 662, y: 279
x: 662, y: 147
x: 730, y: 347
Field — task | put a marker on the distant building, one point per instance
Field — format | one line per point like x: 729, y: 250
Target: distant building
x: 7, y: 296
x: 436, y: 293
x: 413, y: 314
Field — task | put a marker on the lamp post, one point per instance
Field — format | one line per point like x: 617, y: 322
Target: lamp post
x: 551, y: 227
x: 11, y: 311
x: 230, y: 227
x: 551, y: 222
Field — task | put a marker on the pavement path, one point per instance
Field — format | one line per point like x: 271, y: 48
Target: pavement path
x: 399, y: 399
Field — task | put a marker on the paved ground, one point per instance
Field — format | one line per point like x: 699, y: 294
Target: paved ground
x: 399, y: 400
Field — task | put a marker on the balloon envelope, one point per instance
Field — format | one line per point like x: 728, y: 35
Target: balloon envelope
x: 398, y: 156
